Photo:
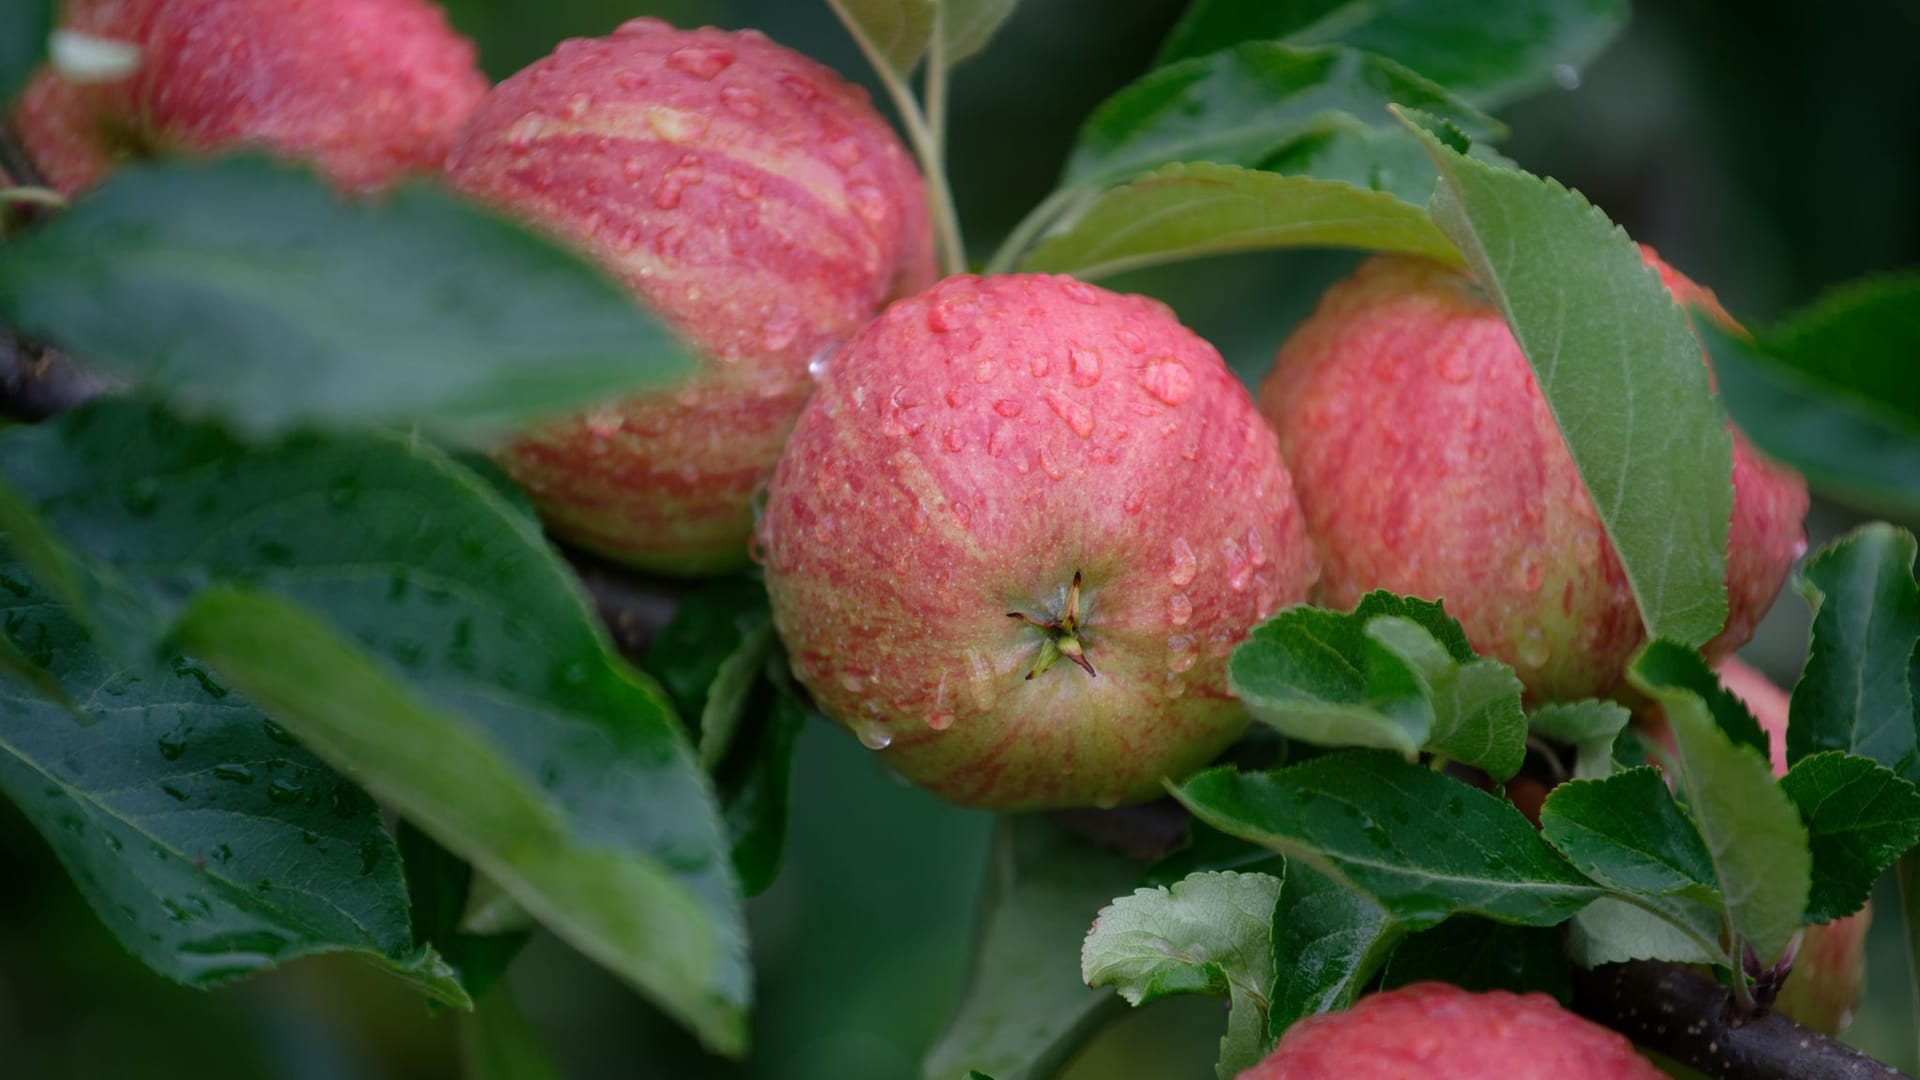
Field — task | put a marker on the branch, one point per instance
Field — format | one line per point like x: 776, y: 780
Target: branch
x: 1689, y: 1017
x: 634, y: 606
x: 36, y: 382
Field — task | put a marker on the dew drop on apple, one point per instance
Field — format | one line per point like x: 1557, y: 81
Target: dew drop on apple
x: 1185, y: 564
x: 700, y: 61
x: 873, y: 734
x: 1239, y: 572
x: 940, y: 721
x: 742, y: 101
x: 1179, y: 609
x: 980, y: 681
x: 1084, y: 364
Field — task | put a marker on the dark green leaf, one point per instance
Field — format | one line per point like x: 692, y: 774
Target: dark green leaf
x: 204, y: 838
x: 1328, y: 941
x: 893, y: 32
x: 1187, y: 211
x: 967, y: 25
x: 1210, y: 933
x: 1855, y: 693
x: 440, y: 883
x: 251, y: 291
x: 1592, y: 728
x: 1859, y: 342
x: 1025, y: 1009
x: 1615, y: 930
x: 754, y: 780
x: 1207, y: 848
x: 497, y: 1042
x: 1622, y: 371
x: 1846, y: 450
x: 1422, y: 844
x: 1627, y: 832
x: 444, y: 656
x: 1488, y: 52
x: 25, y: 26
x: 1751, y: 829
x: 1480, y: 954
x: 1387, y: 160
x: 1860, y: 818
x: 1242, y: 105
x: 1685, y: 669
x: 708, y: 626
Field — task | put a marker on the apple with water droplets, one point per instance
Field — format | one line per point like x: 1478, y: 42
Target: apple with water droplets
x: 747, y: 195
x: 366, y: 91
x: 1008, y: 472
x: 1429, y: 464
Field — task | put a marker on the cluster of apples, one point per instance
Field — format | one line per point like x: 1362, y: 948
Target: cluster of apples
x: 966, y: 482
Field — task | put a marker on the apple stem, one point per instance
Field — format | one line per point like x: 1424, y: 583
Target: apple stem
x: 1063, y: 635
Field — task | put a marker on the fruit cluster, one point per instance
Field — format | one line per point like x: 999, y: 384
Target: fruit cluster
x: 1013, y: 525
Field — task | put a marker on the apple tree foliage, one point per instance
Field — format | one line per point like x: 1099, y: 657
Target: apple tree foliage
x: 265, y: 587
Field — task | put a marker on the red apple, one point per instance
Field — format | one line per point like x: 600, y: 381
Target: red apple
x: 1033, y: 447
x: 367, y: 91
x: 749, y: 196
x: 1428, y: 463
x: 1433, y: 1031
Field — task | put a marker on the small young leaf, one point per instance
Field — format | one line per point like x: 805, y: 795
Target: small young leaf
x: 252, y: 291
x: 1242, y: 105
x: 1328, y: 941
x: 967, y: 25
x: 1423, y: 845
x: 1591, y: 727
x: 1612, y: 930
x: 709, y: 626
x: 895, y: 32
x: 1480, y: 954
x: 1622, y: 371
x: 754, y: 779
x: 203, y: 837
x: 1752, y: 831
x: 1194, y: 209
x: 1209, y: 934
x: 1855, y: 693
x: 1489, y: 52
x: 1860, y: 818
x: 25, y: 27
x: 1025, y: 1009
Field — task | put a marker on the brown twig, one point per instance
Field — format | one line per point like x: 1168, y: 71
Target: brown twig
x: 1689, y: 1017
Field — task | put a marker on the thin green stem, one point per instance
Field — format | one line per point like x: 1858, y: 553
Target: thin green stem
x: 946, y: 223
x: 936, y: 94
x: 35, y: 196
x: 1032, y: 227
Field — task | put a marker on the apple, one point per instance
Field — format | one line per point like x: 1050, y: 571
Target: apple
x: 1016, y: 534
x: 1428, y: 463
x: 366, y: 91
x: 750, y: 197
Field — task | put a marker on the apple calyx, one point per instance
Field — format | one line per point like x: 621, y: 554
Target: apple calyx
x: 1063, y: 634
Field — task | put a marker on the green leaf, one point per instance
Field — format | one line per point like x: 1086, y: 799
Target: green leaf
x: 1242, y: 105
x: 418, y: 634
x: 1207, y: 848
x: 498, y: 1043
x: 251, y: 291
x: 1395, y: 674
x: 1856, y: 693
x: 1480, y: 955
x: 25, y: 27
x: 1860, y: 818
x: 440, y: 884
x: 1208, y: 934
x: 1684, y: 669
x: 208, y: 842
x: 709, y: 626
x: 1846, y: 450
x: 1191, y: 210
x: 1387, y: 160
x: 1487, y: 52
x: 1622, y: 371
x: 893, y: 32
x: 1627, y: 832
x: 1590, y: 727
x: 1423, y: 845
x: 755, y: 777
x: 728, y: 698
x: 1752, y: 831
x: 1328, y: 941
x: 1613, y: 930
x: 1859, y: 341
x: 967, y: 25
x: 1025, y: 1009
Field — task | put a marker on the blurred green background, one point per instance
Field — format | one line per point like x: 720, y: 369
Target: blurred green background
x: 1764, y: 151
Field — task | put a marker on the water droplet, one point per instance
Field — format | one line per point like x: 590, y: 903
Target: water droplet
x: 1179, y: 609
x: 235, y: 774
x: 799, y: 86
x: 284, y: 791
x: 1133, y: 502
x: 780, y: 332
x: 646, y: 24
x: 1084, y: 364
x: 1007, y: 407
x: 700, y: 61
x: 851, y: 681
x: 522, y: 135
x: 873, y: 735
x: 1081, y: 292
x: 175, y: 913
x: 955, y: 440
x: 1456, y: 366
x: 1534, y: 650
x: 173, y: 744
x: 742, y: 101
x: 1049, y: 466
x: 1180, y: 654
x: 369, y: 855
x: 1175, y: 686
x: 1566, y: 76
x: 1239, y: 571
x: 984, y: 371
x: 578, y: 105
x: 905, y: 415
x: 1076, y: 415
x: 678, y: 127
x: 1131, y: 339
x: 817, y: 366
x: 955, y: 397
x: 1185, y: 564
x: 174, y: 793
x: 950, y: 315
x: 113, y: 842
x: 1168, y: 380
x: 845, y: 152
x: 940, y: 721
x: 981, y: 685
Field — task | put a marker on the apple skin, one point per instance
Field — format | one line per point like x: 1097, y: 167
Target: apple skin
x: 968, y: 454
x: 746, y: 194
x: 366, y: 91
x: 1433, y: 1031
x: 1830, y: 970
x: 1429, y: 463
